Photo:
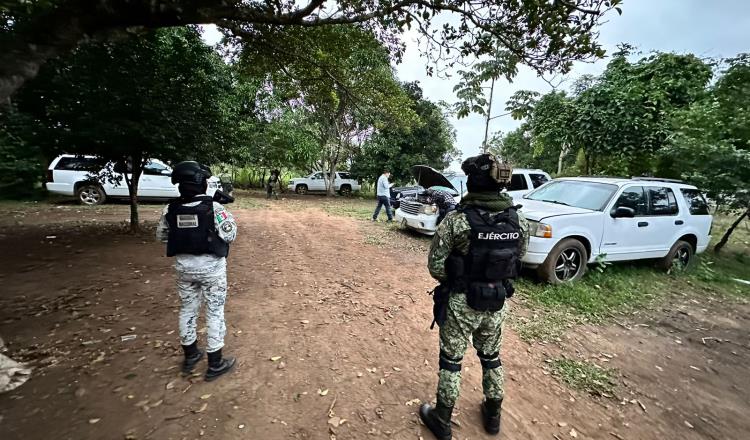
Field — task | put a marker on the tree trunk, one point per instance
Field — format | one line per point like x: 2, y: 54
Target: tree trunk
x: 563, y: 152
x: 132, y: 182
x: 725, y: 238
x: 488, y: 116
x: 331, y: 190
x: 263, y: 179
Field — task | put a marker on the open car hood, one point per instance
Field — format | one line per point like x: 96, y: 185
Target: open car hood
x: 427, y: 177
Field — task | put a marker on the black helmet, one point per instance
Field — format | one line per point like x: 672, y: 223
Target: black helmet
x: 190, y: 172
x: 486, y: 173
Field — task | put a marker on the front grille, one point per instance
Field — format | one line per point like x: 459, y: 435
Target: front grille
x: 410, y: 207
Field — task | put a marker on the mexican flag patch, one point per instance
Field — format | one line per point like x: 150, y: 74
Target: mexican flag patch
x: 221, y: 216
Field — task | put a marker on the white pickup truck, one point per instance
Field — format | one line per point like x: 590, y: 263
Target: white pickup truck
x: 315, y: 182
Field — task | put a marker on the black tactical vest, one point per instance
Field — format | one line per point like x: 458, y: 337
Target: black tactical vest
x: 192, y: 229
x: 493, y: 258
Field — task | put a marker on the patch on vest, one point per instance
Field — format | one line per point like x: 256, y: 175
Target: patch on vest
x: 227, y: 227
x: 498, y: 236
x: 185, y: 221
x: 221, y: 216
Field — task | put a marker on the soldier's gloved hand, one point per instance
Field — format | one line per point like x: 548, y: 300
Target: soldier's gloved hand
x: 509, y: 288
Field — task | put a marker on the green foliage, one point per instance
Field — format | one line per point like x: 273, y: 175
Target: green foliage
x: 21, y: 164
x: 618, y: 121
x: 398, y: 148
x: 585, y: 376
x: 711, y: 144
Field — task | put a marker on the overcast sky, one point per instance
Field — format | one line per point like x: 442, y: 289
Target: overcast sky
x: 719, y: 28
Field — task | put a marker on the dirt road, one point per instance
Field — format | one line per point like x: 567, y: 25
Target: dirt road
x: 332, y: 336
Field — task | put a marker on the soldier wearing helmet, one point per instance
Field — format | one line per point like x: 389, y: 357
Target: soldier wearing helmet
x: 475, y: 255
x: 198, y: 232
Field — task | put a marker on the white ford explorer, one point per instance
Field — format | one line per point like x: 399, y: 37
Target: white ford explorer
x: 575, y: 221
x: 72, y: 175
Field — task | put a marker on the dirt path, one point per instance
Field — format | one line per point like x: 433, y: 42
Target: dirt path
x: 348, y: 336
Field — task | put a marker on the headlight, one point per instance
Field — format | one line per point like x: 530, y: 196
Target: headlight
x: 541, y: 230
x: 429, y: 209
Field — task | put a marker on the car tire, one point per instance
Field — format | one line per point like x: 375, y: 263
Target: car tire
x: 301, y: 189
x: 681, y: 253
x: 90, y: 194
x: 565, y: 263
x: 345, y: 190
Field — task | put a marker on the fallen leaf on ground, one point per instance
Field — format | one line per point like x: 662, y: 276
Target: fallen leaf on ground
x: 573, y: 433
x: 323, y: 392
x: 92, y: 421
x: 275, y: 358
x: 334, y: 421
x: 382, y: 381
x: 171, y: 384
x: 396, y: 369
x: 202, y: 408
x: 413, y: 402
x: 205, y: 396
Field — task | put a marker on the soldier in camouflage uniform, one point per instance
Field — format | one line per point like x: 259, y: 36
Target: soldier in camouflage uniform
x: 198, y: 232
x: 487, y: 234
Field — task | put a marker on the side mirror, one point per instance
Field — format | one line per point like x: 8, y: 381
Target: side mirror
x: 623, y: 212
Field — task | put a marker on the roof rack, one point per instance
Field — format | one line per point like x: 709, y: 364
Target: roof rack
x: 606, y: 177
x: 658, y: 179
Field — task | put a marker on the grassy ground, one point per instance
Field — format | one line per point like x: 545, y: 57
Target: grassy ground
x: 584, y: 376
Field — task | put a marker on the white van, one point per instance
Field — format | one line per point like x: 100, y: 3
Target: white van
x: 72, y: 175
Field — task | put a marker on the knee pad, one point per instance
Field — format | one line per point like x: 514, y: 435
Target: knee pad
x: 489, y: 361
x: 449, y: 363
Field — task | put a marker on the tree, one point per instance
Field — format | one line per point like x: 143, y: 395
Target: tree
x: 429, y: 142
x: 160, y: 95
x: 623, y: 119
x: 547, y: 36
x: 339, y: 77
x: 711, y: 143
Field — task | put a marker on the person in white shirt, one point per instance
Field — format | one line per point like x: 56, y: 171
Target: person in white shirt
x: 384, y: 196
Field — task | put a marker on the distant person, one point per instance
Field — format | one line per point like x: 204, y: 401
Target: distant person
x: 273, y: 182
x: 198, y: 232
x: 384, y: 196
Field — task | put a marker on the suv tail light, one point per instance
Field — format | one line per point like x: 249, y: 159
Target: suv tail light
x: 50, y: 176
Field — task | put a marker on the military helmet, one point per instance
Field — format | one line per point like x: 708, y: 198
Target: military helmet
x: 487, y: 165
x: 190, y: 172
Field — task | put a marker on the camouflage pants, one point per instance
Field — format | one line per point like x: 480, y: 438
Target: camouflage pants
x: 485, y: 330
x: 195, y: 289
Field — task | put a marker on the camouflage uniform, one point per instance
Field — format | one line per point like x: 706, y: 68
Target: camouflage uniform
x: 202, y: 278
x: 463, y: 322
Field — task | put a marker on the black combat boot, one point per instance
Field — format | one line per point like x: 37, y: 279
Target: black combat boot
x: 491, y: 415
x: 218, y: 365
x: 437, y: 419
x: 193, y: 355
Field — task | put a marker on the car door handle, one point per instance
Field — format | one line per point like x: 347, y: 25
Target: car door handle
x: 679, y: 222
x: 642, y: 224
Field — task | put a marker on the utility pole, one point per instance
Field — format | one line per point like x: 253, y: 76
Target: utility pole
x: 487, y: 116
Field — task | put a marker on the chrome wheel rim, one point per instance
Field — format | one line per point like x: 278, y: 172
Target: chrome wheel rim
x: 568, y: 264
x: 681, y: 257
x: 90, y: 196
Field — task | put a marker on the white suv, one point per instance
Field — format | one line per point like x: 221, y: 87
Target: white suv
x: 344, y: 184
x: 575, y: 221
x: 72, y: 175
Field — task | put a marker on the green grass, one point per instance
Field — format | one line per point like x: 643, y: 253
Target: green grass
x: 355, y: 208
x: 542, y: 325
x: 585, y: 376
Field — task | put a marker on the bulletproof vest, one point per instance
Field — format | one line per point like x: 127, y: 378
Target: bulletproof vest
x: 192, y: 229
x: 493, y: 257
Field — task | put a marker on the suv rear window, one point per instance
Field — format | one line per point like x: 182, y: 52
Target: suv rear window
x: 344, y: 175
x: 696, y: 202
x: 538, y: 180
x: 517, y: 182
x: 78, y: 164
x: 661, y: 201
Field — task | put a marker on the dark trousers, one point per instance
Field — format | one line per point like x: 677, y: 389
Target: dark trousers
x: 383, y: 201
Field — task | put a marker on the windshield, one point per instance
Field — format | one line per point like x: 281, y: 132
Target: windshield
x: 458, y: 182
x: 586, y: 195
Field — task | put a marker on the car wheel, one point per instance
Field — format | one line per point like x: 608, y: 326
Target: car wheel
x: 345, y: 190
x: 680, y: 256
x: 301, y: 189
x: 565, y: 263
x: 90, y: 194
